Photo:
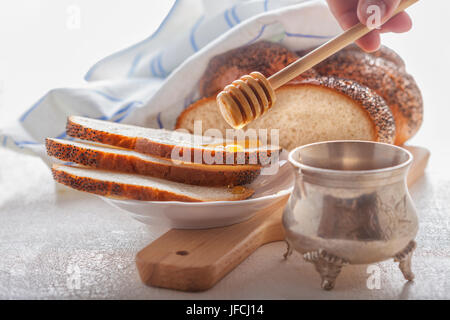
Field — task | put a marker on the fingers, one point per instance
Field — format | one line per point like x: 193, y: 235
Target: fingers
x: 348, y: 20
x: 372, y: 13
x: 379, y: 11
x: 338, y: 6
x: 370, y: 42
x: 398, y: 24
x: 344, y: 11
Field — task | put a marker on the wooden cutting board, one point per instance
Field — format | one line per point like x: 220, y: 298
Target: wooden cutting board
x: 195, y: 260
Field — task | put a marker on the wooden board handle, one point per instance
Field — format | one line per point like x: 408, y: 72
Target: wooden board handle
x: 194, y: 260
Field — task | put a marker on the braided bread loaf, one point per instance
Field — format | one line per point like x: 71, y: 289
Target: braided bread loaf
x: 379, y: 101
x: 265, y: 57
x: 313, y: 110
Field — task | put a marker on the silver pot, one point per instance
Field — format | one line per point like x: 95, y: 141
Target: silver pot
x: 350, y: 204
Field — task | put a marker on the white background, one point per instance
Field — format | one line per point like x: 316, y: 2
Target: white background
x: 41, y: 233
x: 39, y: 50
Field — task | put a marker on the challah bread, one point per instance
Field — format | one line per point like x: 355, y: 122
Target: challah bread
x: 122, y: 160
x: 385, y: 74
x: 314, y: 110
x: 137, y: 187
x: 265, y: 57
x: 382, y: 71
x: 166, y: 144
x: 384, y: 52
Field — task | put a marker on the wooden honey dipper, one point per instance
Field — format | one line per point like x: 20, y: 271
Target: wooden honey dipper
x: 249, y: 97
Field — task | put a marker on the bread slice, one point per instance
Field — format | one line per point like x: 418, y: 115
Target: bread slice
x: 137, y: 187
x: 385, y: 74
x: 117, y: 159
x: 166, y: 144
x: 311, y: 111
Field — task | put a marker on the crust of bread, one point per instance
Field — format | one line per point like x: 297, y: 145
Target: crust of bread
x: 76, y: 130
x: 376, y: 108
x: 384, y: 53
x: 194, y: 154
x: 385, y: 74
x: 128, y: 191
x: 195, y: 174
x: 263, y: 56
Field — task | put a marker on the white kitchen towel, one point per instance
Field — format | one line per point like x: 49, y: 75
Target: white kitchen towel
x: 152, y: 81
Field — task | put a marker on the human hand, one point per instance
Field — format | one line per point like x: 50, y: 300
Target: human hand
x: 350, y: 12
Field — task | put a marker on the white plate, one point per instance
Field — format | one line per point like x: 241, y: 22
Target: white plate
x: 201, y: 215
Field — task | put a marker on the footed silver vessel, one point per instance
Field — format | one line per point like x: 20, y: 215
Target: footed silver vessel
x: 350, y: 205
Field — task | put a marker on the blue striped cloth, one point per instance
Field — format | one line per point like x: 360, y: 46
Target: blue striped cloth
x: 151, y: 82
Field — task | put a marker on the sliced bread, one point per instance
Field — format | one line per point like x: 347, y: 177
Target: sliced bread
x: 118, y: 159
x: 316, y: 110
x: 166, y: 144
x: 387, y: 76
x: 137, y: 187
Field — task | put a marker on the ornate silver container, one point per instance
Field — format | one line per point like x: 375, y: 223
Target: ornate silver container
x: 350, y: 204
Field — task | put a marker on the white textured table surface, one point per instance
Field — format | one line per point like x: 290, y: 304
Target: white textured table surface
x: 64, y: 244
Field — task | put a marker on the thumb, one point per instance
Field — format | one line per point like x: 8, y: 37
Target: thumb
x: 374, y: 13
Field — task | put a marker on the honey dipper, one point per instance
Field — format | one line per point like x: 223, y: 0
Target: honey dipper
x: 249, y: 97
